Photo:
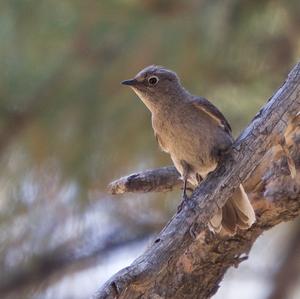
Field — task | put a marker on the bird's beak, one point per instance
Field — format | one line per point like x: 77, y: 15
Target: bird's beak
x: 131, y: 82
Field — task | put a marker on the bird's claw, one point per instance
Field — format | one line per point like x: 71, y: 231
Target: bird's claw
x: 184, y: 200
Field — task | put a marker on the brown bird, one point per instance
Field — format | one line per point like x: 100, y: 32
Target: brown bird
x: 195, y: 134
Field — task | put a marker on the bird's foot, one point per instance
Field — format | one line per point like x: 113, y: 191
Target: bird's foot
x: 184, y: 201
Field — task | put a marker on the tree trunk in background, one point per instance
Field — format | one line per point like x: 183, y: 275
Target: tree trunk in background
x: 287, y: 276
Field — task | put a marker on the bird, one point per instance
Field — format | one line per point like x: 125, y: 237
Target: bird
x: 196, y: 135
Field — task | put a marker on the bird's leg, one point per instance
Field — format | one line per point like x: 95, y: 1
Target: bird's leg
x: 184, y: 195
x: 185, y: 198
x: 185, y: 173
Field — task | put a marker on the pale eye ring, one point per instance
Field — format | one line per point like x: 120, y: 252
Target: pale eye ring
x: 153, y: 80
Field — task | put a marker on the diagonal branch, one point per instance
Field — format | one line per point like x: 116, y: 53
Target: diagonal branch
x: 187, y: 261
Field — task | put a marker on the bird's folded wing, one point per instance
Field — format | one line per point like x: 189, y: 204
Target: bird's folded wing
x: 212, y: 111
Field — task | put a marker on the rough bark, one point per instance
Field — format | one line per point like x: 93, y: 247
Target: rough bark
x: 157, y: 180
x: 186, y: 260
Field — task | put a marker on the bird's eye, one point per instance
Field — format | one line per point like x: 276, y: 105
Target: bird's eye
x: 153, y: 80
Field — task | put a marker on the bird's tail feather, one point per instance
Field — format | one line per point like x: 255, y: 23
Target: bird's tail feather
x: 236, y: 213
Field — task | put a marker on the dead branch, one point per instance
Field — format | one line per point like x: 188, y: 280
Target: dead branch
x: 46, y: 268
x: 157, y: 180
x: 186, y: 260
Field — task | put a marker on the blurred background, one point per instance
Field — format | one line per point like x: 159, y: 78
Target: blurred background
x: 68, y: 128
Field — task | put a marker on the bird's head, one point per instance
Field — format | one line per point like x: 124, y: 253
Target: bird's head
x: 155, y: 85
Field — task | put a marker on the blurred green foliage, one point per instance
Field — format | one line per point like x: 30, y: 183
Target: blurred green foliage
x: 233, y: 52
x: 76, y: 52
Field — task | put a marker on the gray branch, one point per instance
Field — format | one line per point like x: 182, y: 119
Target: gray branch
x: 157, y: 180
x: 186, y: 260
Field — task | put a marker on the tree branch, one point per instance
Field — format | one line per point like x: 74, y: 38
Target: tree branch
x: 157, y: 180
x: 186, y: 260
x: 45, y: 269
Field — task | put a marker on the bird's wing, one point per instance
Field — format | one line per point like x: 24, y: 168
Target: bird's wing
x: 212, y: 111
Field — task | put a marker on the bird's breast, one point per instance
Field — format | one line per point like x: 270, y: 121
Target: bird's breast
x: 185, y: 140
